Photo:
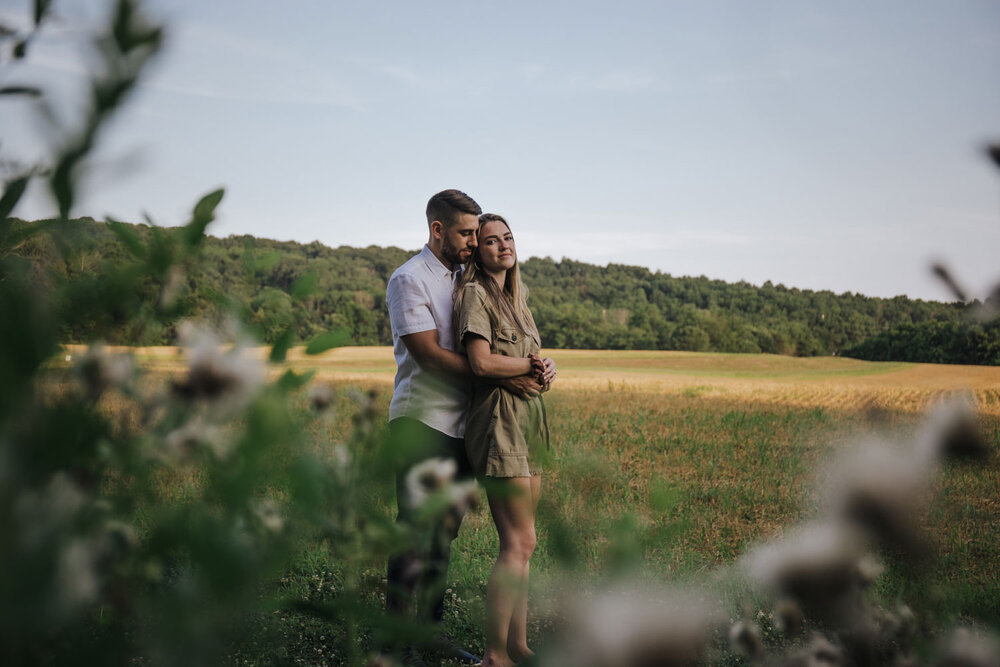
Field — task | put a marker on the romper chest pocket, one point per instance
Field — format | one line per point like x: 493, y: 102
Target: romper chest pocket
x: 507, y: 335
x: 509, y: 341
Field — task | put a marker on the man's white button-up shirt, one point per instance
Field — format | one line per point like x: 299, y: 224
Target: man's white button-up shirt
x: 419, y: 296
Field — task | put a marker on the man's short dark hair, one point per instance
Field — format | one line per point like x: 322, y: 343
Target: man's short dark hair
x: 447, y: 205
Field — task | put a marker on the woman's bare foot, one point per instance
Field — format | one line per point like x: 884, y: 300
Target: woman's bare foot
x: 493, y: 658
x: 519, y: 653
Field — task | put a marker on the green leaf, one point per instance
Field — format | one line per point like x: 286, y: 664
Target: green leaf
x: 204, y: 213
x: 128, y: 238
x: 281, y: 345
x: 11, y: 194
x: 328, y: 340
x: 30, y: 91
x: 41, y: 9
x: 304, y: 286
x: 292, y: 380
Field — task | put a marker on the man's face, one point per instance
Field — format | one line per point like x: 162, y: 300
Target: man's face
x: 459, y: 240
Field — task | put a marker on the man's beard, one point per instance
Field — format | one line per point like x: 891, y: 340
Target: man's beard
x: 451, y: 253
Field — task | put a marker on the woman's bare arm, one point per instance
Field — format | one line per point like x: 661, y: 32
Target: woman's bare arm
x: 488, y: 365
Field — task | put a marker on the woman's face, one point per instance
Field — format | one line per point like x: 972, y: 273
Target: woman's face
x: 496, y: 247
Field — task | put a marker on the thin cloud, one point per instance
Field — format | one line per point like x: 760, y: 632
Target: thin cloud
x: 247, y: 70
x: 618, y: 81
x: 407, y: 75
x: 531, y: 71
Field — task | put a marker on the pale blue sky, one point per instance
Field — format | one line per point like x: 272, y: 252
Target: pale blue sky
x: 823, y: 145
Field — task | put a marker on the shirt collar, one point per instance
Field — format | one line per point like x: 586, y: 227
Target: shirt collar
x: 437, y: 266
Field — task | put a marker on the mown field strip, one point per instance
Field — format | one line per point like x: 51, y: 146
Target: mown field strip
x: 831, y: 382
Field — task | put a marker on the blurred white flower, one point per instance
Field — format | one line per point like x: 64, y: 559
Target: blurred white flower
x: 99, y: 370
x: 320, y: 397
x: 788, y: 616
x: 341, y: 457
x: 952, y: 431
x: 183, y: 441
x: 821, y: 653
x: 268, y: 514
x: 880, y: 489
x: 968, y: 649
x: 638, y: 627
x: 744, y: 638
x: 172, y: 286
x: 819, y: 566
x: 224, y: 379
x: 76, y: 582
x: 428, y: 477
x: 48, y: 510
x: 465, y: 496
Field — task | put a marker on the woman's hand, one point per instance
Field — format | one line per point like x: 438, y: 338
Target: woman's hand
x: 550, y: 372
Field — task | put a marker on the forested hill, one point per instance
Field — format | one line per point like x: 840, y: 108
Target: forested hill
x: 576, y: 305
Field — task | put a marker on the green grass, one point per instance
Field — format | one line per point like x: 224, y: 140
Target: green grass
x: 671, y: 488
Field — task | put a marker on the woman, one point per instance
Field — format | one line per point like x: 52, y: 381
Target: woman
x: 506, y: 436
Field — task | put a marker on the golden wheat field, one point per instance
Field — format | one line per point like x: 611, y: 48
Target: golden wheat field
x: 828, y: 382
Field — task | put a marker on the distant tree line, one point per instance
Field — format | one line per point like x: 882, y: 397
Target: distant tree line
x: 576, y: 305
x: 951, y: 342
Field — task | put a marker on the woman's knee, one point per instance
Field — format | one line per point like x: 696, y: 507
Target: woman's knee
x: 519, y: 546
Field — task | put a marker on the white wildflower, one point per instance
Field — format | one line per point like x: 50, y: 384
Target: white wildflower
x: 76, y: 582
x: 464, y: 496
x: 46, y: 511
x: 877, y: 488
x: 821, y: 653
x: 952, y: 431
x: 788, y: 617
x: 100, y: 370
x: 967, y: 649
x: 818, y: 566
x: 268, y: 514
x: 172, y: 286
x: 183, y: 441
x: 224, y: 379
x: 428, y: 477
x: 637, y: 627
x: 744, y: 637
x: 320, y: 397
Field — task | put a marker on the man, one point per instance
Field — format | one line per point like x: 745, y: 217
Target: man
x: 429, y: 400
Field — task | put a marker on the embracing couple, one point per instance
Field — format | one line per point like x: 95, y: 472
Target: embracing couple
x: 468, y: 388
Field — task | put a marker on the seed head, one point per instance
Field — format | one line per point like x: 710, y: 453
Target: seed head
x: 966, y: 649
x: 268, y: 514
x: 633, y: 628
x: 428, y: 477
x: 952, y: 431
x: 818, y: 567
x: 220, y: 378
x: 320, y: 397
x: 100, y: 370
x: 878, y: 489
x: 744, y: 638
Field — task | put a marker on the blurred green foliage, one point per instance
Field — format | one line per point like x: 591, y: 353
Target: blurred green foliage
x: 145, y: 520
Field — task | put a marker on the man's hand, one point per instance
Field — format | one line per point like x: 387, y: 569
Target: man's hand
x: 523, y: 386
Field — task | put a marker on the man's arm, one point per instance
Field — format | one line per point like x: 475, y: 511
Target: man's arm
x: 424, y: 347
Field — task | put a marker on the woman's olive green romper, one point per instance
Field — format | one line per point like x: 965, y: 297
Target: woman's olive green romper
x: 506, y: 436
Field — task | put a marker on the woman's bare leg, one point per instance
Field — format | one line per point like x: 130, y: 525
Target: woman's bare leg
x: 517, y: 634
x: 512, y: 507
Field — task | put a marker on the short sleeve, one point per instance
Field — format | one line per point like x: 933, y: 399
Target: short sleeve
x: 409, y: 306
x: 472, y: 314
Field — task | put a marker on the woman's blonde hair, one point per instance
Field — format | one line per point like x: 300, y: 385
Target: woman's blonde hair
x: 512, y: 300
